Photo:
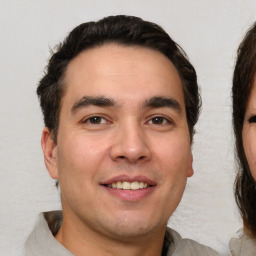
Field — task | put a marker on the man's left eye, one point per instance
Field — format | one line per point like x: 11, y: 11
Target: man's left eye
x: 96, y: 120
x: 159, y: 120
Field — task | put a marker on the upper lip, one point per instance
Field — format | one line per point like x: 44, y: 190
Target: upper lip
x: 127, y: 178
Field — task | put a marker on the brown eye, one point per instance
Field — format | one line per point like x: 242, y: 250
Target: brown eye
x: 252, y: 119
x: 158, y: 120
x: 96, y: 120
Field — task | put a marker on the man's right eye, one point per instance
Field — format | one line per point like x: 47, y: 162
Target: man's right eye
x: 95, y: 120
x: 252, y: 119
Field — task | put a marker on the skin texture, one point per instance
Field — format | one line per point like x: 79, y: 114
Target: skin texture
x: 249, y: 130
x: 131, y: 138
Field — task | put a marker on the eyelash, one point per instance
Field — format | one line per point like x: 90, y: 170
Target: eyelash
x: 89, y: 119
x: 252, y: 119
x: 161, y: 118
x: 93, y: 120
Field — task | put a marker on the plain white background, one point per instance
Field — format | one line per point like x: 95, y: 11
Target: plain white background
x: 209, y: 31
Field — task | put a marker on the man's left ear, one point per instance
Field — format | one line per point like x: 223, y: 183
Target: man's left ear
x: 50, y: 153
x: 190, y: 167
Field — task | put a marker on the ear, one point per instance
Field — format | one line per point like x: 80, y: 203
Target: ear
x: 190, y: 167
x: 50, y: 153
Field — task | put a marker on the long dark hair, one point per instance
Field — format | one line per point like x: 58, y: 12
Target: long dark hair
x: 245, y: 185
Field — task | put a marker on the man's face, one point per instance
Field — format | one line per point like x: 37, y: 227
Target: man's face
x: 123, y: 153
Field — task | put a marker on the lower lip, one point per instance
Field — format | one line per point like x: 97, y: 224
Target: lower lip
x: 130, y: 195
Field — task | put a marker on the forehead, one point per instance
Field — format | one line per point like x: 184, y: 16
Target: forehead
x: 126, y: 69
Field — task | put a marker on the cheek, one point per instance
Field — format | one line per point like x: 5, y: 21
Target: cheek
x: 249, y: 143
x: 174, y: 155
x: 79, y: 158
x: 175, y: 149
x: 174, y: 158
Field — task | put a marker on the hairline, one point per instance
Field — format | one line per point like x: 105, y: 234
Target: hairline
x: 62, y: 84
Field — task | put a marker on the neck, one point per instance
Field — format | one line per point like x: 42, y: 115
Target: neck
x: 249, y: 232
x: 86, y: 241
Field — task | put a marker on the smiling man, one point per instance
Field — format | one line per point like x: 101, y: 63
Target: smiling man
x: 120, y: 101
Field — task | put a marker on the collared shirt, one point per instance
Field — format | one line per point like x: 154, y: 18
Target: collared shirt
x: 242, y: 244
x: 41, y: 241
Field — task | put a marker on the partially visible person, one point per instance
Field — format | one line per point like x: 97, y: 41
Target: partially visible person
x: 244, y: 122
x: 120, y: 100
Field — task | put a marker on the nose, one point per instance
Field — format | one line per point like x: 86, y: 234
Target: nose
x: 130, y: 143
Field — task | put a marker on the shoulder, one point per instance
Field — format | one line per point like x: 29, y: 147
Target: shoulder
x: 242, y: 244
x: 187, y: 247
x: 41, y: 240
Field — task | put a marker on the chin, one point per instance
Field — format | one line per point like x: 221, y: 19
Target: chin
x: 128, y: 233
x: 130, y: 228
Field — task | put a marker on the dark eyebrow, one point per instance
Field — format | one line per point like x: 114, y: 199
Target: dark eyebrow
x: 161, y: 102
x: 95, y: 101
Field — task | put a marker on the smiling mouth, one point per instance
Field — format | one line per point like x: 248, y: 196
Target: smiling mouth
x: 126, y: 185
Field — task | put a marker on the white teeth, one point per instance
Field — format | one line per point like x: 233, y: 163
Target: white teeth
x: 141, y: 185
x: 119, y: 185
x: 126, y: 185
x: 135, y: 185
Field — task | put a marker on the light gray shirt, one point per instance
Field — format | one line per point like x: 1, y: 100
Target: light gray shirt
x: 41, y: 241
x: 242, y: 244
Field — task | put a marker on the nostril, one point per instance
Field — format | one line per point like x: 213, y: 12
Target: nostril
x: 140, y: 158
